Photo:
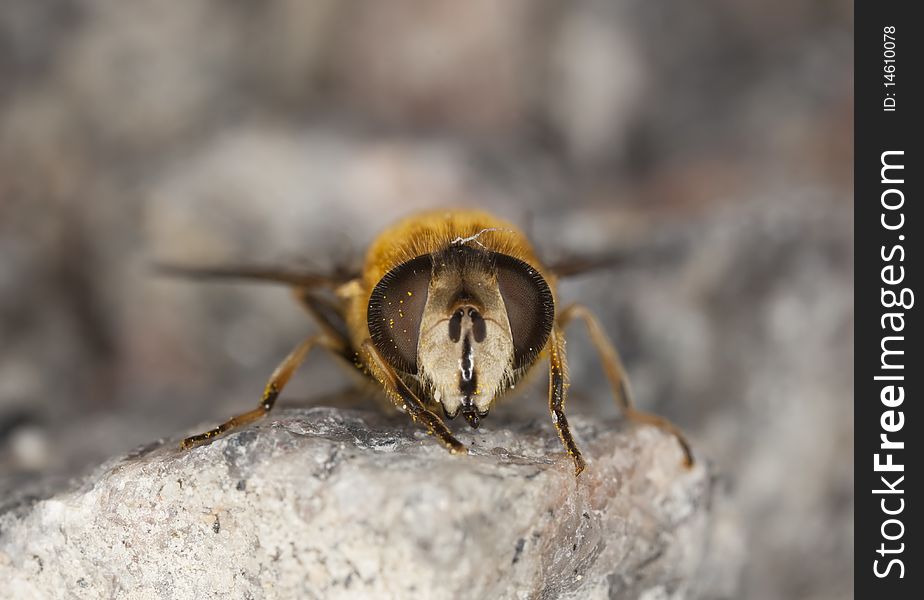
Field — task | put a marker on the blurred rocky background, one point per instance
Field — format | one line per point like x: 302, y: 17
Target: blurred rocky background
x: 289, y: 132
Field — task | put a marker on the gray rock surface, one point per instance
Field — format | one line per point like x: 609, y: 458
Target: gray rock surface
x: 332, y: 503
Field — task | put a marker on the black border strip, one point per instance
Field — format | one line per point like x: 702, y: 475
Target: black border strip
x: 887, y: 260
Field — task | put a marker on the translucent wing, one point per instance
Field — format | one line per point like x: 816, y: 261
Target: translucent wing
x: 268, y: 274
x: 659, y: 253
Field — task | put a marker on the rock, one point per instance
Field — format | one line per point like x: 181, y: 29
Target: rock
x: 330, y: 503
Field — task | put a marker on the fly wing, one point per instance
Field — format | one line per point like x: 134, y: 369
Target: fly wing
x: 267, y: 274
x: 572, y: 266
x: 652, y: 254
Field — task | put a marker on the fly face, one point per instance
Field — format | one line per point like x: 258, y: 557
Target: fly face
x: 465, y: 321
x: 466, y: 347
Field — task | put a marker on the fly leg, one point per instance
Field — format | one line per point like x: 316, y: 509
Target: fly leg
x: 274, y: 386
x: 558, y: 372
x: 405, y: 399
x: 615, y: 373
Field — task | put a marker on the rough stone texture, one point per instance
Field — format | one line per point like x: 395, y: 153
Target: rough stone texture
x: 330, y: 503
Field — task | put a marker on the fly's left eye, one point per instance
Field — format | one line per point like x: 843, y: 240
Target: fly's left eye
x: 395, y: 311
x: 530, y: 307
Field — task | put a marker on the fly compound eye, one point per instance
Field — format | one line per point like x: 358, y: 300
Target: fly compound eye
x: 395, y: 311
x: 530, y: 307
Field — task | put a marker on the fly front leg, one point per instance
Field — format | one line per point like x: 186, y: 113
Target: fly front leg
x: 274, y: 386
x: 558, y: 373
x: 616, y: 374
x: 405, y: 399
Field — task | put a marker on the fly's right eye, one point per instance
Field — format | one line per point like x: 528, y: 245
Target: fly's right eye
x: 396, y: 309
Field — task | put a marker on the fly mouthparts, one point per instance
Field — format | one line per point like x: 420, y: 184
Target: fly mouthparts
x: 471, y: 412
